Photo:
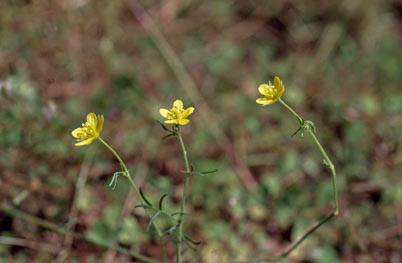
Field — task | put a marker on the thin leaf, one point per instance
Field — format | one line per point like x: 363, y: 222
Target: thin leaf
x: 145, y: 199
x: 113, y: 182
x: 163, y: 126
x: 178, y: 213
x: 170, y: 230
x: 161, y: 200
x: 202, y: 173
x: 297, y: 131
x: 169, y: 135
x: 152, y: 220
x: 208, y: 172
x: 192, y: 241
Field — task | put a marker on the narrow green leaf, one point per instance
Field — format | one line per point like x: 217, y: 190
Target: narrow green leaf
x: 145, y: 199
x: 202, y: 173
x: 208, y: 172
x: 169, y: 135
x: 152, y: 220
x: 178, y: 213
x: 163, y: 126
x: 192, y: 241
x: 161, y: 200
x: 113, y: 182
x: 297, y: 131
x: 170, y: 230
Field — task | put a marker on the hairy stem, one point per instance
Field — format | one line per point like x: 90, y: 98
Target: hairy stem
x: 183, y: 200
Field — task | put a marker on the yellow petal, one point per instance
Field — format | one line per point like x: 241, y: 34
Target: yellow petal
x: 100, y: 124
x: 263, y: 89
x: 178, y: 104
x: 277, y: 83
x: 187, y: 112
x: 265, y: 101
x: 92, y: 120
x: 171, y: 122
x: 183, y: 121
x: 164, y: 113
x: 86, y: 142
x: 281, y: 90
x: 79, y: 132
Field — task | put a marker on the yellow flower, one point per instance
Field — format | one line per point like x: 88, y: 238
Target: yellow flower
x: 177, y: 115
x: 90, y: 130
x: 271, y: 93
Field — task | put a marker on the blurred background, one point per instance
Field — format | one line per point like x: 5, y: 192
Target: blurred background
x: 340, y: 61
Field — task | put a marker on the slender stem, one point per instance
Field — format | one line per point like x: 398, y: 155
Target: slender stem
x: 331, y: 167
x: 137, y: 192
x: 334, y: 183
x: 10, y: 210
x: 183, y: 200
x: 123, y: 165
x: 300, y: 119
x: 309, y: 231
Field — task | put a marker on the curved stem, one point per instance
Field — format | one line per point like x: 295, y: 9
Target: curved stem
x: 300, y: 119
x: 334, y: 183
x: 183, y: 200
x: 331, y: 167
x: 309, y: 231
x: 123, y: 165
x: 137, y: 192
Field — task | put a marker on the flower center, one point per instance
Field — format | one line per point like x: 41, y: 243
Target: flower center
x: 175, y: 114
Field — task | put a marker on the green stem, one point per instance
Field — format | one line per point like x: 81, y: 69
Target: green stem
x: 137, y: 192
x: 334, y: 183
x: 300, y: 119
x: 331, y: 167
x: 294, y: 245
x: 183, y: 200
x: 10, y: 210
x: 305, y: 235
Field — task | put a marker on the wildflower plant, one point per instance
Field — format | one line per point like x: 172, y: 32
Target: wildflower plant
x: 177, y: 116
x: 89, y: 132
x: 271, y: 94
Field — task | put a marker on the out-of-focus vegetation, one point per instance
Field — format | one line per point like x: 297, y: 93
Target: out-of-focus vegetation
x: 341, y: 65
